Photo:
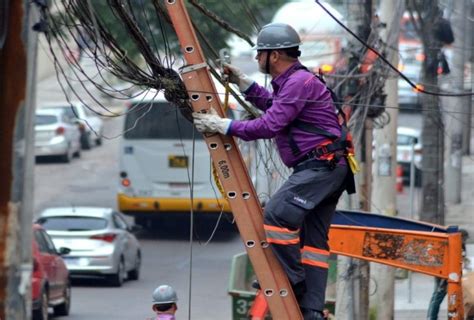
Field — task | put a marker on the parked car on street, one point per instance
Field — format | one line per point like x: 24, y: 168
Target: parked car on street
x: 411, y: 59
x: 90, y: 125
x: 57, y: 135
x: 50, y: 280
x: 409, y: 140
x: 101, y: 242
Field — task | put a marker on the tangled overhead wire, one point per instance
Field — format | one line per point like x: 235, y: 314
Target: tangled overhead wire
x: 81, y: 30
x: 95, y: 44
x: 145, y: 54
x: 124, y: 40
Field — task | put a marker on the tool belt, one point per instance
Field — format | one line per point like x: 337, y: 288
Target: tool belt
x: 321, y: 165
x: 325, y: 165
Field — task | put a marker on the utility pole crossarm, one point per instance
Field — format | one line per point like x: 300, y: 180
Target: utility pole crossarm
x: 232, y: 173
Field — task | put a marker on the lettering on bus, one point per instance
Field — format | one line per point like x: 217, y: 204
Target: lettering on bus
x: 224, y: 169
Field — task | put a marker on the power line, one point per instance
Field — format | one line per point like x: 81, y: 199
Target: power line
x: 445, y: 94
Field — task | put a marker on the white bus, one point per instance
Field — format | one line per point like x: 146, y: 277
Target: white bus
x: 156, y: 153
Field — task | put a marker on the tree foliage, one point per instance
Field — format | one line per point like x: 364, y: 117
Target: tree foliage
x: 246, y: 16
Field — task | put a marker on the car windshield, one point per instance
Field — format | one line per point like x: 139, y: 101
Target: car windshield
x: 157, y: 120
x: 45, y: 119
x: 405, y: 140
x: 69, y: 223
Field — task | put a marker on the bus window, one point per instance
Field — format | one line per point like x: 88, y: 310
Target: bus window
x: 161, y: 120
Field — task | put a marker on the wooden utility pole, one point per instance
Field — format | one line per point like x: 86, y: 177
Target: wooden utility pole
x: 433, y: 128
x: 383, y: 189
x: 16, y: 165
x: 455, y: 115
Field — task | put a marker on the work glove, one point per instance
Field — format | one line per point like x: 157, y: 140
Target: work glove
x: 211, y: 122
x: 238, y: 77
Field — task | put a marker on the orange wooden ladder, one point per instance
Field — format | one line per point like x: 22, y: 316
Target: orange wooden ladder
x: 232, y: 172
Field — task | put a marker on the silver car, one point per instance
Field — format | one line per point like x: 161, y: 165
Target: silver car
x: 101, y: 242
x: 56, y: 134
x: 90, y: 125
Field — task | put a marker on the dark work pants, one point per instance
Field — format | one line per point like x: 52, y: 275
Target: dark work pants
x: 306, y: 202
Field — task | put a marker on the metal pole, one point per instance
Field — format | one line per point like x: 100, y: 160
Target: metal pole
x: 412, y: 214
x: 454, y: 122
x: 412, y: 181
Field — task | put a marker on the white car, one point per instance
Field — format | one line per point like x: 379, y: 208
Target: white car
x: 409, y: 140
x: 56, y: 134
x: 100, y: 239
x: 90, y: 124
x: 411, y: 60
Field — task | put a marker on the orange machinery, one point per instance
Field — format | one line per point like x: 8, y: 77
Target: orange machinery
x: 412, y: 245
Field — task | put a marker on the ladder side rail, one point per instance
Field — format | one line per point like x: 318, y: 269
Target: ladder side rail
x: 233, y: 174
x: 240, y: 193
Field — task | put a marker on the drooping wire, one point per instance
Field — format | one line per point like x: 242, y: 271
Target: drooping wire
x: 191, y: 228
x: 221, y: 22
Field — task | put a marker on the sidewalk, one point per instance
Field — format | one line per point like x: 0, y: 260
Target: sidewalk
x: 422, y: 286
x: 421, y: 289
x: 463, y: 214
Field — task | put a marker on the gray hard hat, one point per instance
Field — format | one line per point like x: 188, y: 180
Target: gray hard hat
x: 164, y: 294
x: 277, y: 36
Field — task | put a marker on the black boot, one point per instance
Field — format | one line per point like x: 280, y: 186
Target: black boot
x: 309, y: 314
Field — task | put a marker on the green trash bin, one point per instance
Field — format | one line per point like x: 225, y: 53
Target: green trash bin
x: 240, y: 286
x: 243, y: 295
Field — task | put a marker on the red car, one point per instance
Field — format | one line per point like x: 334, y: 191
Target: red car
x: 50, y: 283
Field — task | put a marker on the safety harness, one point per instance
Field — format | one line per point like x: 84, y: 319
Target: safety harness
x: 329, y: 152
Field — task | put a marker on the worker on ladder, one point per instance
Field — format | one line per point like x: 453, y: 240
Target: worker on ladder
x: 301, y: 115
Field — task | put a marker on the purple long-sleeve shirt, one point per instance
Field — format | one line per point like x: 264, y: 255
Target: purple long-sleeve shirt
x: 297, y: 93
